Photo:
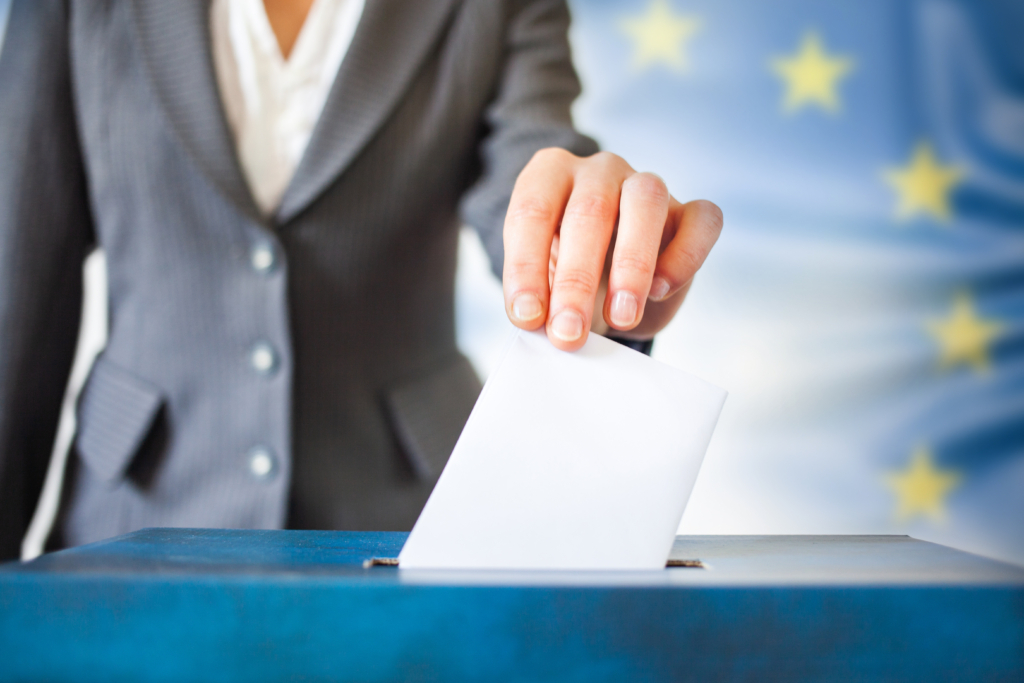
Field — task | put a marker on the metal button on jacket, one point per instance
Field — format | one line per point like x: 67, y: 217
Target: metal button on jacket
x: 262, y: 358
x: 262, y: 463
x: 262, y: 257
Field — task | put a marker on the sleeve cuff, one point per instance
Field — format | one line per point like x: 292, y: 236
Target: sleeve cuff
x: 643, y: 347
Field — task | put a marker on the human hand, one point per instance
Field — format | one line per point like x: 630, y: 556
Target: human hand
x: 565, y: 213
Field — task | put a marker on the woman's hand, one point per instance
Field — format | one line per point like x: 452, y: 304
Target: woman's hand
x: 565, y: 213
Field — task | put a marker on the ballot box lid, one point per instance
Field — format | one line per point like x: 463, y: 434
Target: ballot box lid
x: 193, y: 604
x: 369, y: 557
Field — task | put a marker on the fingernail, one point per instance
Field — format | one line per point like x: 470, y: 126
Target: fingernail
x: 623, y: 309
x: 527, y: 307
x: 567, y: 326
x: 659, y: 289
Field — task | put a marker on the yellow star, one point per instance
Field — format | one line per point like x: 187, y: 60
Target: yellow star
x: 659, y: 36
x: 963, y: 336
x: 924, y: 184
x: 811, y: 76
x: 921, y: 488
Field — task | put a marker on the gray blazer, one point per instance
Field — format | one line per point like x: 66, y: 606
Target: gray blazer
x: 299, y: 370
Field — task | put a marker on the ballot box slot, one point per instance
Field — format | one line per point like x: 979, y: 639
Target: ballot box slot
x: 692, y: 564
x: 393, y: 562
x: 380, y: 562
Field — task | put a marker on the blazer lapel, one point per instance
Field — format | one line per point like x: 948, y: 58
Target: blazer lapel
x: 389, y: 45
x: 177, y: 51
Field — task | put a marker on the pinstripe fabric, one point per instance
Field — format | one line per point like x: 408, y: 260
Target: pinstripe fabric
x: 428, y: 436
x: 120, y: 409
x: 438, y: 105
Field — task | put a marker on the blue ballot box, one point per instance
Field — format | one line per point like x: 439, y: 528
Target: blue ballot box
x: 197, y: 605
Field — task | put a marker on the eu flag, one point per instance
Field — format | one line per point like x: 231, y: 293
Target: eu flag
x: 865, y: 306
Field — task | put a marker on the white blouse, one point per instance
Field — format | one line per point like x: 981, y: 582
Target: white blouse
x: 272, y: 104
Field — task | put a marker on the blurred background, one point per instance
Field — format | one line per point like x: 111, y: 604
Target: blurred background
x: 865, y: 305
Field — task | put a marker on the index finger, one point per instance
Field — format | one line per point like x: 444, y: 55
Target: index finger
x: 534, y: 213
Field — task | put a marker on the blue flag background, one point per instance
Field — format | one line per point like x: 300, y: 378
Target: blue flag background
x: 865, y: 306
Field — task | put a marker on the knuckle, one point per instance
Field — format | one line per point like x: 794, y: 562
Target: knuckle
x: 577, y: 281
x: 686, y: 262
x: 607, y: 160
x: 553, y: 155
x: 710, y: 213
x: 648, y: 187
x: 592, y: 207
x: 519, y: 270
x: 633, y: 262
x: 532, y: 210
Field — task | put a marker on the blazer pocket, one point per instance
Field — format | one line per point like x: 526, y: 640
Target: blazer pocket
x: 115, y: 413
x: 429, y: 412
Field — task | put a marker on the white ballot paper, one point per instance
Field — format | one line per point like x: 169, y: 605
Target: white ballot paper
x: 579, y: 460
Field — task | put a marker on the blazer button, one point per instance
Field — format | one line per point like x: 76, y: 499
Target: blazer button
x: 262, y: 463
x: 262, y: 258
x: 263, y: 359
